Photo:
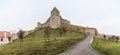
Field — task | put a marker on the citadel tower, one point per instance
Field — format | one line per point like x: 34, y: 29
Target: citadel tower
x: 55, y: 20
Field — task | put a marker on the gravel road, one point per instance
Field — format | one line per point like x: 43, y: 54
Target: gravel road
x: 82, y: 48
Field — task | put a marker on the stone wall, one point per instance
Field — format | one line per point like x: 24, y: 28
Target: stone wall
x: 88, y: 31
x: 91, y: 31
x: 77, y: 28
x: 39, y: 25
x: 56, y: 21
x: 15, y: 36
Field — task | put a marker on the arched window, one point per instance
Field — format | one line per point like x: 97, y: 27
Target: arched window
x: 1, y: 39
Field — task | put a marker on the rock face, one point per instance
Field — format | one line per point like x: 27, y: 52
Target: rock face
x: 56, y: 21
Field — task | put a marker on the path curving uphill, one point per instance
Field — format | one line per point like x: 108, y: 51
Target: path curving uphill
x: 82, y: 48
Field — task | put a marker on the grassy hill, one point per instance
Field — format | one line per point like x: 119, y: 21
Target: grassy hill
x: 106, y: 46
x: 35, y: 44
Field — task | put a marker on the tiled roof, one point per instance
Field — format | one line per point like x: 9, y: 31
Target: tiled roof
x: 7, y: 34
x: 1, y: 34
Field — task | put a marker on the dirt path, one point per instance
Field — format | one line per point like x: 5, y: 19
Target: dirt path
x: 82, y: 48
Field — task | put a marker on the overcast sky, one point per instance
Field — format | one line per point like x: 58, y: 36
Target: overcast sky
x: 101, y: 14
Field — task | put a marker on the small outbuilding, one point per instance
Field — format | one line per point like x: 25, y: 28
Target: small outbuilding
x: 5, y: 37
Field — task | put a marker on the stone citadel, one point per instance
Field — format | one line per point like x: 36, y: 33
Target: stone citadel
x: 56, y: 21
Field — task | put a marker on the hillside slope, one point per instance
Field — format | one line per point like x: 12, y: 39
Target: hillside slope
x: 106, y: 46
x: 35, y: 44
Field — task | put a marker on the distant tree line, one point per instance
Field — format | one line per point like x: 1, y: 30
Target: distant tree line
x: 113, y: 38
x: 47, y: 33
x: 62, y: 31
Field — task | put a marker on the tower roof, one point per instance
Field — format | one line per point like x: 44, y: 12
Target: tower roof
x: 7, y: 34
x: 55, y: 11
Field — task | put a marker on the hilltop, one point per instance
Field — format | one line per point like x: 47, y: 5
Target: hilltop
x: 56, y: 21
x: 35, y: 43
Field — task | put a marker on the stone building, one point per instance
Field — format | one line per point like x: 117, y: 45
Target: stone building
x: 5, y: 37
x: 87, y: 30
x: 39, y: 25
x: 91, y: 31
x: 56, y: 21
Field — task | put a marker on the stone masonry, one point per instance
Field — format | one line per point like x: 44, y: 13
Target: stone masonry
x: 56, y: 21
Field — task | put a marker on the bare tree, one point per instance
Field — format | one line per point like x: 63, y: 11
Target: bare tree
x: 21, y: 34
x: 60, y: 32
x: 109, y: 38
x: 104, y: 36
x: 64, y: 31
x: 117, y: 39
x: 47, y: 33
x: 113, y: 38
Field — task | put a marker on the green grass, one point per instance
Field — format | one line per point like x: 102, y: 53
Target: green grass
x: 106, y: 46
x: 35, y: 44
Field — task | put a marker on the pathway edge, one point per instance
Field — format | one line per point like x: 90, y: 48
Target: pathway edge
x: 94, y: 49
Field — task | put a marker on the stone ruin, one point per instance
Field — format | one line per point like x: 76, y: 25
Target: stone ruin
x: 56, y: 21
